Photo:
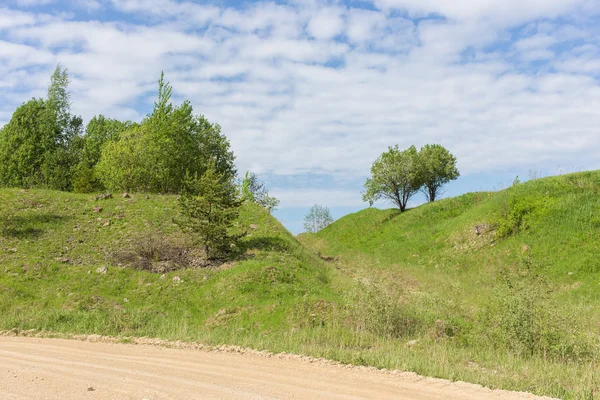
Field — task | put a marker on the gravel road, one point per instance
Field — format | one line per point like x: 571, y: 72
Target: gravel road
x: 34, y: 368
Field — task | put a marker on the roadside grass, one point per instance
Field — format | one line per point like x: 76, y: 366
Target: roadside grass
x: 421, y: 291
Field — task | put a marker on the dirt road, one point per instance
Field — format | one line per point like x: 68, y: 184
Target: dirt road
x: 33, y: 368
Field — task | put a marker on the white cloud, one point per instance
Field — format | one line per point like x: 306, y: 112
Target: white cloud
x: 326, y: 23
x: 11, y: 18
x: 505, y: 12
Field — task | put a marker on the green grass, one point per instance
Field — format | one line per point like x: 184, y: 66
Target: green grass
x: 515, y: 307
x: 520, y: 298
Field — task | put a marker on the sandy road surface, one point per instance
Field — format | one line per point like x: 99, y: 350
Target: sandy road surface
x: 33, y: 368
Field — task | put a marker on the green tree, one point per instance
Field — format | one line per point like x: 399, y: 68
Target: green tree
x: 59, y: 100
x: 318, y: 218
x: 395, y: 176
x: 99, y: 132
x: 25, y: 144
x: 124, y: 164
x: 255, y: 191
x: 437, y: 167
x: 209, y: 205
x: 41, y: 143
x: 169, y: 143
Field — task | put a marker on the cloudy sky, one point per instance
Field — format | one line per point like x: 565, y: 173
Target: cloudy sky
x: 311, y: 92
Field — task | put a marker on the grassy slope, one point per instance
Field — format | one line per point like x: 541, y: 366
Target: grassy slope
x: 497, y: 300
x: 245, y: 304
x: 423, y: 275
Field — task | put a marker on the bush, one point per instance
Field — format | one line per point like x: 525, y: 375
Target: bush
x: 521, y: 319
x: 158, y: 253
x: 518, y: 213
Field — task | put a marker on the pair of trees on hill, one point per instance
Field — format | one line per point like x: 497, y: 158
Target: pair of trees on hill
x: 398, y: 174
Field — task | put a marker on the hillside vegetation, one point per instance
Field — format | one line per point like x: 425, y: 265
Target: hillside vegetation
x: 493, y: 288
x: 511, y: 278
x: 127, y: 270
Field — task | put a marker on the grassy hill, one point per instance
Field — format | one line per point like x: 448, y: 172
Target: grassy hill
x: 509, y: 280
x: 494, y: 288
x: 65, y: 268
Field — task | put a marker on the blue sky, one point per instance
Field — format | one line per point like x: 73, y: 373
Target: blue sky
x: 311, y: 92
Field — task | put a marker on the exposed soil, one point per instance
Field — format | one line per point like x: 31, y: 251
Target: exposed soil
x: 36, y: 368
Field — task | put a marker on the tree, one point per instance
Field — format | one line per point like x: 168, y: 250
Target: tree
x: 437, y: 167
x: 59, y: 98
x: 25, y: 144
x: 318, y: 218
x: 99, y: 132
x: 41, y: 143
x: 395, y: 177
x: 124, y: 164
x: 209, y: 205
x: 169, y: 143
x: 255, y: 191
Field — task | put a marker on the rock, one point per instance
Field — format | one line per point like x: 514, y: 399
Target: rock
x: 102, y: 270
x: 97, y: 209
x: 177, y: 280
x: 126, y: 195
x: 253, y: 227
x: 412, y: 343
x: 104, y: 196
x: 90, y: 389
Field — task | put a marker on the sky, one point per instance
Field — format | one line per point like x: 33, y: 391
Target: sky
x: 311, y: 92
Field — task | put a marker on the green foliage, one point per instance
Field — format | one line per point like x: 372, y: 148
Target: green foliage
x: 518, y: 212
x: 317, y: 219
x: 40, y: 144
x: 99, y: 132
x: 523, y: 320
x: 169, y: 143
x: 59, y: 98
x: 124, y: 164
x: 255, y: 191
x: 437, y: 166
x: 208, y: 207
x: 25, y: 144
x: 246, y: 193
x: 394, y: 177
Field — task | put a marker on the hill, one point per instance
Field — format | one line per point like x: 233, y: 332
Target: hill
x: 509, y: 280
x: 499, y: 288
x: 126, y: 271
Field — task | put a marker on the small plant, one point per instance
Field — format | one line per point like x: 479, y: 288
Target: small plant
x: 209, y: 206
x: 255, y: 191
x: 158, y: 253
